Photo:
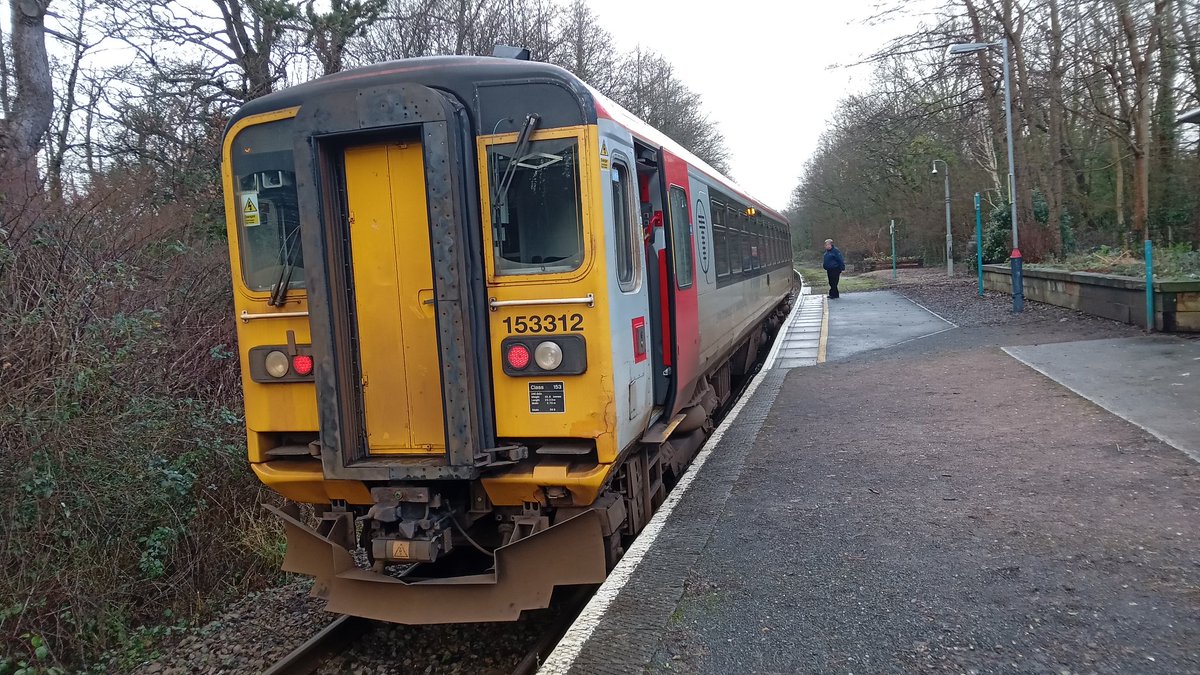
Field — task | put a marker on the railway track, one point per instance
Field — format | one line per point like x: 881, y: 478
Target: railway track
x: 334, y: 639
x: 344, y: 632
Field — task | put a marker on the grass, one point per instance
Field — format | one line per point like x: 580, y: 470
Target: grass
x: 816, y: 278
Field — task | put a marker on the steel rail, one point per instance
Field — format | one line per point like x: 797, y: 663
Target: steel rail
x: 574, y: 603
x: 334, y: 639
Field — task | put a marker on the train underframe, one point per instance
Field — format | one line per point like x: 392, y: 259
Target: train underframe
x: 439, y: 552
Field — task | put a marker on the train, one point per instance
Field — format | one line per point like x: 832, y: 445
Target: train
x: 486, y: 317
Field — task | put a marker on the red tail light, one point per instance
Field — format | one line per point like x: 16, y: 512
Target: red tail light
x: 302, y: 364
x: 517, y: 356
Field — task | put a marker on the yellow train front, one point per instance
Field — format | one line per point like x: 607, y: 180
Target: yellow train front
x: 485, y: 318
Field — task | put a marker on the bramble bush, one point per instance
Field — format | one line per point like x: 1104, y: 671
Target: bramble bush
x: 127, y: 500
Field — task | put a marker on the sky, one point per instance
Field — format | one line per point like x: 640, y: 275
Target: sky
x: 763, y: 68
x: 766, y: 69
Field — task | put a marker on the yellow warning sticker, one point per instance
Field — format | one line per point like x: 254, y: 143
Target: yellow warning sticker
x: 400, y: 550
x: 250, y: 212
x: 603, y: 162
x: 603, y: 148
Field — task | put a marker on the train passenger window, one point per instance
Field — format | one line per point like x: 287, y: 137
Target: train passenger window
x: 721, y: 247
x: 681, y: 235
x: 720, y: 238
x: 625, y: 230
x: 736, y: 257
x: 267, y: 210
x: 760, y: 243
x: 748, y: 244
x: 537, y: 216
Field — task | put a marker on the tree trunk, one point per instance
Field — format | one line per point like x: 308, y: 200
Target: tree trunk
x: 22, y: 131
x: 1163, y: 179
x: 1141, y: 59
x: 1119, y: 188
x: 5, y: 103
x: 1056, y: 127
x: 62, y: 138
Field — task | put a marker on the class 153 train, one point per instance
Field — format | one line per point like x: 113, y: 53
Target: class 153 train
x: 486, y: 317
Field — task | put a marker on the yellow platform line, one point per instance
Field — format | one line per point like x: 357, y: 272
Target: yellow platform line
x: 824, y: 331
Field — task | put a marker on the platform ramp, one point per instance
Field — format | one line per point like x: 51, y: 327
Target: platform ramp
x: 863, y: 322
x: 1151, y: 381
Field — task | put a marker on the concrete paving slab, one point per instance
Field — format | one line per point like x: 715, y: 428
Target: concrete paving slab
x: 1151, y: 381
x: 861, y: 322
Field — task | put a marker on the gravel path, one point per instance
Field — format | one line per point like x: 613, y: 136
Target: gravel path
x: 957, y: 299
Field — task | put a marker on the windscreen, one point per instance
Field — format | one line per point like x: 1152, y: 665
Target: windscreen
x: 268, y: 215
x: 537, y: 221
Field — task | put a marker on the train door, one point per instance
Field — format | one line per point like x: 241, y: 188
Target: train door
x: 396, y: 329
x: 681, y: 279
x: 628, y: 292
x: 652, y: 200
x: 671, y: 255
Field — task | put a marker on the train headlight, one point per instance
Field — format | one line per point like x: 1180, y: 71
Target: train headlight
x: 548, y: 355
x: 277, y: 364
x: 517, y: 356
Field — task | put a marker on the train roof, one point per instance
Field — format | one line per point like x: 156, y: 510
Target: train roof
x: 473, y: 79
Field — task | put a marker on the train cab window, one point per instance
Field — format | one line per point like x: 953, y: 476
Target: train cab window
x: 267, y: 210
x: 537, y: 214
x: 681, y: 235
x: 626, y: 232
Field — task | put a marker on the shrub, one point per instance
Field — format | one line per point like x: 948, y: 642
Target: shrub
x: 125, y: 488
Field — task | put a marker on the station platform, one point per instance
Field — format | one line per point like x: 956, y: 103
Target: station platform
x: 911, y: 498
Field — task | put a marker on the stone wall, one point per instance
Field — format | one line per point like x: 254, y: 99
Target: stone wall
x: 1176, y: 303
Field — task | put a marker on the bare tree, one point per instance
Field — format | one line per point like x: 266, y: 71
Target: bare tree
x: 585, y: 45
x: 69, y: 96
x: 329, y: 33
x: 22, y: 130
x: 646, y: 84
x: 1140, y: 46
x: 235, y: 43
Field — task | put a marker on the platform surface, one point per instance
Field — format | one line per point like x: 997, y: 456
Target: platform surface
x: 922, y: 502
x: 862, y: 322
x: 1152, y: 381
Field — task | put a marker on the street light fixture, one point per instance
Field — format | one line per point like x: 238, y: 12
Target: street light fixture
x: 1018, y: 291
x: 949, y: 237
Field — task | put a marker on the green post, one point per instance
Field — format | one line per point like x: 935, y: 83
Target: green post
x: 979, y: 244
x: 893, y: 230
x: 1149, y: 287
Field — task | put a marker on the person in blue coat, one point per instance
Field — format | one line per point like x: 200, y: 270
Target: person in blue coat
x: 834, y: 265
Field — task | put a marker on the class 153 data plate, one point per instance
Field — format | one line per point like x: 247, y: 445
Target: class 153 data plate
x: 547, y: 397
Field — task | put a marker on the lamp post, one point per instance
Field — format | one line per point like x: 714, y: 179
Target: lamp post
x: 979, y: 244
x: 1018, y: 291
x: 892, y: 230
x: 949, y: 237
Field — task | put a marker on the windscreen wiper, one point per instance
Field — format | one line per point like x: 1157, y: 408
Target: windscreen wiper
x: 510, y: 172
x: 280, y: 290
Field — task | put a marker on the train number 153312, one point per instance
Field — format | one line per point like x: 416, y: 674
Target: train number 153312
x: 545, y: 323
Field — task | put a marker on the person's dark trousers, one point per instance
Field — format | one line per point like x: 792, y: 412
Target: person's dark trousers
x: 834, y: 275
